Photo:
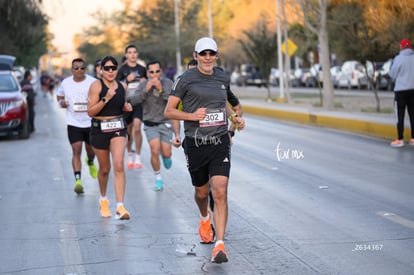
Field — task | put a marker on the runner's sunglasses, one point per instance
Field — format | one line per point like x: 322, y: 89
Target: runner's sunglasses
x: 108, y: 68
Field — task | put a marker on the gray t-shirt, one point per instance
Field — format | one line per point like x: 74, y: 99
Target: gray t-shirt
x: 197, y: 90
x: 153, y: 102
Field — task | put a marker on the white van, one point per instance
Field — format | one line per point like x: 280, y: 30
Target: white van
x: 352, y: 74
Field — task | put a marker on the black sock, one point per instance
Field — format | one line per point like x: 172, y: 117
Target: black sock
x: 90, y: 160
x: 77, y: 175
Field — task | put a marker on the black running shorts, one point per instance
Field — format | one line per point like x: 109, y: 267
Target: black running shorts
x: 101, y: 140
x: 76, y: 134
x: 137, y: 112
x: 207, y: 158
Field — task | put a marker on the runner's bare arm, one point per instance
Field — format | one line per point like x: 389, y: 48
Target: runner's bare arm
x: 95, y: 105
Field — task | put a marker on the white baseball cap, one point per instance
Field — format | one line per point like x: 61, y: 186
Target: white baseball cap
x: 205, y: 43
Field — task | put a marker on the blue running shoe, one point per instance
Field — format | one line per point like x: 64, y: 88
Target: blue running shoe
x: 158, y: 185
x: 167, y: 162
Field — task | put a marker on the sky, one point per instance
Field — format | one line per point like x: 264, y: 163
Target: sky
x: 68, y: 17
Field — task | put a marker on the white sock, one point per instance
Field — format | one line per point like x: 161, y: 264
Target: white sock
x: 137, y: 158
x: 219, y: 242
x: 157, y: 175
x: 103, y: 198
x: 204, y: 219
x: 118, y: 204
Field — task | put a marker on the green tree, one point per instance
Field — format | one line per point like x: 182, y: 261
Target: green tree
x: 156, y: 31
x: 23, y: 29
x: 305, y: 40
x: 374, y: 27
x: 105, y: 38
x: 93, y: 52
x: 153, y: 29
x: 261, y: 48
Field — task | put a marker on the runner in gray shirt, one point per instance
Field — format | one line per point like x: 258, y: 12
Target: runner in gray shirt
x: 153, y: 94
x: 203, y: 92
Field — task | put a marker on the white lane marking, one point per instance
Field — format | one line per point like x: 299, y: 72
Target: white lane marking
x: 397, y: 219
x: 70, y: 249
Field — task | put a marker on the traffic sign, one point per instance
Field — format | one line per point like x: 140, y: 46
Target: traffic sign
x: 290, y: 46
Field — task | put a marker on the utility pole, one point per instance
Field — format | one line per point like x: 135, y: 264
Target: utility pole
x: 177, y: 37
x: 279, y: 54
x: 210, y: 19
x: 287, y: 56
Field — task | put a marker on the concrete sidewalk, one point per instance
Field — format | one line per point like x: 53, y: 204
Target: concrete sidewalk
x: 372, y: 124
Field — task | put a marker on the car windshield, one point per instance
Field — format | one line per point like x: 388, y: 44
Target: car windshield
x: 7, y: 83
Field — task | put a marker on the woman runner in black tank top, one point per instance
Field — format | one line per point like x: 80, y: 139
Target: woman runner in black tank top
x: 107, y: 101
x: 113, y: 107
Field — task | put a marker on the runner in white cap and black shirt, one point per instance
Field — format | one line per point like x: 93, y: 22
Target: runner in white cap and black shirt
x: 203, y: 92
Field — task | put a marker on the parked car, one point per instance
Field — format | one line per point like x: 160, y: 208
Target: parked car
x: 250, y: 75
x: 334, y: 74
x: 297, y: 73
x: 382, y: 77
x: 308, y: 77
x: 14, y: 117
x: 274, y: 78
x: 353, y: 74
x: 235, y: 77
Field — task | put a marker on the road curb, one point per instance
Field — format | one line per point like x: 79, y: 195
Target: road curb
x: 370, y: 128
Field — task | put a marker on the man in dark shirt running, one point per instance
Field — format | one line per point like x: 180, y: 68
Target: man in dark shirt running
x: 132, y: 74
x: 203, y: 92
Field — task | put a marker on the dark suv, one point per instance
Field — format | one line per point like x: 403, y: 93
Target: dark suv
x: 250, y: 75
x: 14, y: 116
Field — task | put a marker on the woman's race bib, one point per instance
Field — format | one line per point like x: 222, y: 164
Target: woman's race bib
x: 112, y: 125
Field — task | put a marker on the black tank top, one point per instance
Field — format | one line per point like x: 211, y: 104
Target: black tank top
x: 114, y: 106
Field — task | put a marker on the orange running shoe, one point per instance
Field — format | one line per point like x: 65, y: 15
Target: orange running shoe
x: 130, y: 161
x: 219, y: 254
x: 137, y: 165
x: 206, y: 231
x: 397, y: 143
x: 137, y: 162
x: 122, y: 213
x: 104, y: 208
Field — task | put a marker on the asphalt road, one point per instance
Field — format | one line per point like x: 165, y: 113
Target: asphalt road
x: 303, y: 200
